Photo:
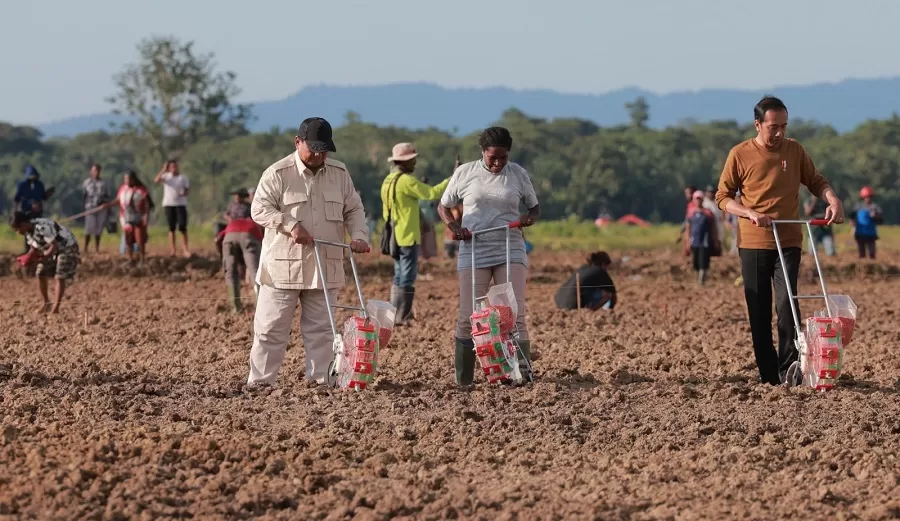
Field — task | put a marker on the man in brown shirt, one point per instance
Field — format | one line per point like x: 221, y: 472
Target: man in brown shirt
x: 768, y: 170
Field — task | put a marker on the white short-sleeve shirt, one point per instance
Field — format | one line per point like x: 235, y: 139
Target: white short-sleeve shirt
x: 173, y: 189
x: 490, y: 200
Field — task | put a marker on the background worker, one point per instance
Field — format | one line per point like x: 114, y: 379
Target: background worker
x: 176, y: 187
x: 701, y: 237
x: 241, y: 246
x: 597, y: 287
x: 96, y: 193
x: 866, y: 217
x: 400, y: 196
x: 55, y: 250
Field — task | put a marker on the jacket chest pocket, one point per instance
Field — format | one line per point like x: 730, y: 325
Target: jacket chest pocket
x: 334, y: 205
x: 296, y: 204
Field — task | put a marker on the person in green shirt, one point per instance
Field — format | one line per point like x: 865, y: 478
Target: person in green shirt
x: 400, y: 196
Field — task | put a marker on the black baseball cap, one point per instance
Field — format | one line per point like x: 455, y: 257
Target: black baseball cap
x: 316, y: 133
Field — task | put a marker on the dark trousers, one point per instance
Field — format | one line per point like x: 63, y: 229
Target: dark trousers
x: 866, y: 245
x: 761, y: 270
x: 701, y: 256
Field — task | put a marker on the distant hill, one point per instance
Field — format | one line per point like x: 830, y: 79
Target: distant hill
x: 843, y: 105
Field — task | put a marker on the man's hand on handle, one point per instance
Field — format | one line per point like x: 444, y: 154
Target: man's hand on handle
x: 359, y: 246
x: 759, y: 219
x: 300, y: 235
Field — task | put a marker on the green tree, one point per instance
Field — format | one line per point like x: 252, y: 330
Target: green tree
x: 173, y: 96
x: 638, y: 112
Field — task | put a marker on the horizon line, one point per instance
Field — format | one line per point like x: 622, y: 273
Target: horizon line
x: 516, y: 90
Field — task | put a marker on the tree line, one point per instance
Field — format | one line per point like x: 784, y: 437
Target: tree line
x: 179, y: 105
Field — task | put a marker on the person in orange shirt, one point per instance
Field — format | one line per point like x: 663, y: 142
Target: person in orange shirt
x: 768, y: 170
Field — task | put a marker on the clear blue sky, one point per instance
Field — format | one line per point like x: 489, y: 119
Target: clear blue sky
x: 59, y: 56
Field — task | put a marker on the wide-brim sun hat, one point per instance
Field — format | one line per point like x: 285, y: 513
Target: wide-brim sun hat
x: 403, y: 152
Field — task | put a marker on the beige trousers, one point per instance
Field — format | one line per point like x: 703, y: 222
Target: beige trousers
x: 483, y: 277
x: 272, y: 332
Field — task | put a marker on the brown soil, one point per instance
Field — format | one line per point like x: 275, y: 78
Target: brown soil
x: 130, y: 405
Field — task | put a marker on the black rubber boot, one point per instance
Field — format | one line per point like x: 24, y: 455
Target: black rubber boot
x: 405, y: 312
x: 464, y: 361
x: 397, y: 302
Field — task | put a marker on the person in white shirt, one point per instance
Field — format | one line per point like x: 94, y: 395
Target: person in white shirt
x: 175, y: 191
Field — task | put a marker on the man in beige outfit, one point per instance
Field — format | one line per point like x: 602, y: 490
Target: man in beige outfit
x: 302, y: 196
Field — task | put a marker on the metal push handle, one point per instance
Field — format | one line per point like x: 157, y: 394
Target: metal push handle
x: 809, y: 224
x: 472, y: 234
x: 319, y: 267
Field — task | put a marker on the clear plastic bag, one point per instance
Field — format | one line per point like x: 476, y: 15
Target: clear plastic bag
x: 384, y: 315
x: 503, y: 299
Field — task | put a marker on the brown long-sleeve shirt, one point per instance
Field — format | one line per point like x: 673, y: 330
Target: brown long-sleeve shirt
x: 769, y: 181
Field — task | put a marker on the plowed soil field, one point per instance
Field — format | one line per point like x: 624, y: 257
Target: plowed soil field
x: 130, y: 404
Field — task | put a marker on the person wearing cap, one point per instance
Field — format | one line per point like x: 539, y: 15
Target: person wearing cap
x: 768, y: 169
x: 241, y: 242
x: 866, y: 216
x: 304, y: 195
x: 400, y: 196
x: 701, y: 236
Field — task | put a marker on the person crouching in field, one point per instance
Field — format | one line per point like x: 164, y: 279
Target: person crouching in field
x: 594, y: 283
x: 701, y: 237
x: 241, y: 243
x: 55, y: 251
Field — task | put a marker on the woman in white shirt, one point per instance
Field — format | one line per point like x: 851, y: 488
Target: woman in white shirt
x: 491, y: 191
x: 175, y: 190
